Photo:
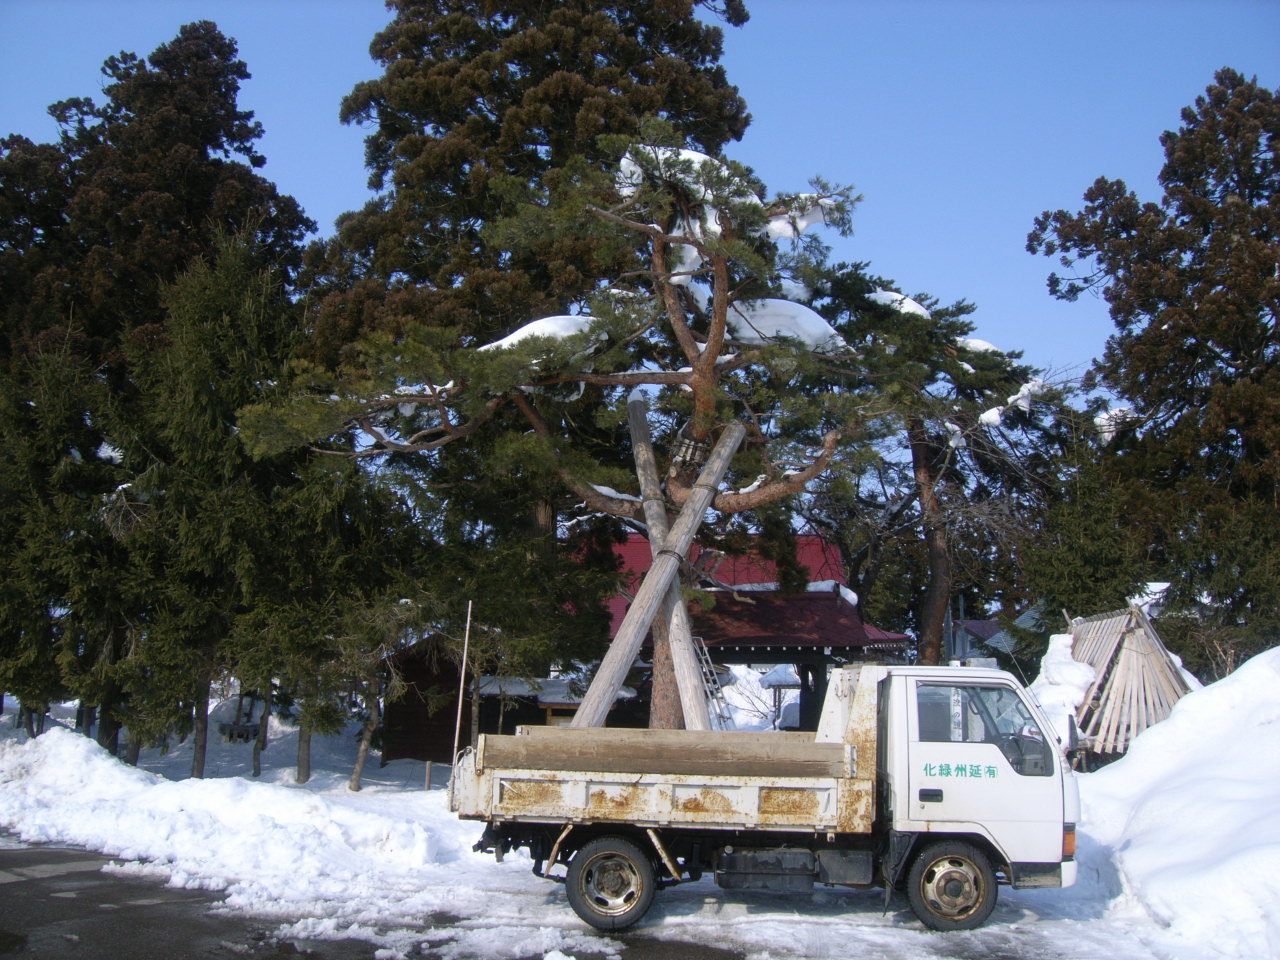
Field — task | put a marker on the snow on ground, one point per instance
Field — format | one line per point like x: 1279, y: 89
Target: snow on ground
x: 1178, y: 847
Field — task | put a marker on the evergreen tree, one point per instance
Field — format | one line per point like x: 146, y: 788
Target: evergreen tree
x: 93, y: 227
x: 1192, y: 288
x: 92, y: 230
x: 479, y: 97
x: 480, y: 104
x: 954, y: 463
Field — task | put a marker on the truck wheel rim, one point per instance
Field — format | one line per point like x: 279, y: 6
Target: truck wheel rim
x: 611, y: 884
x: 952, y: 887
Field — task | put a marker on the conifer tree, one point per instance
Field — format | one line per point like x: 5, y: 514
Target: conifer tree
x: 1191, y: 283
x: 479, y: 103
x: 92, y: 229
x: 942, y: 492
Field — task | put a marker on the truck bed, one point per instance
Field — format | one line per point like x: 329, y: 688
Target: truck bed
x: 727, y: 779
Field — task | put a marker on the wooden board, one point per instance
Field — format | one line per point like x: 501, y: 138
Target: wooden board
x: 682, y: 752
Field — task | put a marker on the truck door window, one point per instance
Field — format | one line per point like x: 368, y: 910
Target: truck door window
x: 964, y: 713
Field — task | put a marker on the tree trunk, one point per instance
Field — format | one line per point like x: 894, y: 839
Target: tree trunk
x: 366, y: 735
x: 134, y: 751
x: 260, y: 741
x: 937, y: 595
x: 201, y: 733
x: 303, y: 773
x: 665, y: 711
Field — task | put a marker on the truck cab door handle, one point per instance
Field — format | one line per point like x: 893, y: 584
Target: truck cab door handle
x: 930, y: 796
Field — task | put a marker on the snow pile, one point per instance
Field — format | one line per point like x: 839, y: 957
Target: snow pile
x: 1062, y: 685
x: 1189, y: 814
x: 974, y: 345
x: 551, y: 328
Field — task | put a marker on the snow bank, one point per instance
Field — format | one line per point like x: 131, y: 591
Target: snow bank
x: 1189, y: 814
x: 1062, y: 685
x: 1177, y: 847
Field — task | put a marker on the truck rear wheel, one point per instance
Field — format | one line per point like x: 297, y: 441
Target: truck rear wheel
x: 610, y: 883
x: 951, y: 886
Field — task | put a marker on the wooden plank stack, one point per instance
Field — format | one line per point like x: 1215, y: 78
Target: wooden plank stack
x: 1136, y: 681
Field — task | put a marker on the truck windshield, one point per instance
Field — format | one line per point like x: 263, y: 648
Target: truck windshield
x: 965, y: 713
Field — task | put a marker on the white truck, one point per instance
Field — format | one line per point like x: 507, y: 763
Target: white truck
x: 945, y: 780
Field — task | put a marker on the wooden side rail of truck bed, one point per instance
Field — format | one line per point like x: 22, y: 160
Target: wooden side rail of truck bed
x: 684, y: 752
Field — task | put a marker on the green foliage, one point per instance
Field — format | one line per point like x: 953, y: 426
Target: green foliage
x: 1191, y: 282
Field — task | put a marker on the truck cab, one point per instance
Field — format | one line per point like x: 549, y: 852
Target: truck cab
x: 971, y: 757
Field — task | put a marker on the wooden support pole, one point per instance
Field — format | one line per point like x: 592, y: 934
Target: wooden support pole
x: 626, y: 644
x: 688, y: 672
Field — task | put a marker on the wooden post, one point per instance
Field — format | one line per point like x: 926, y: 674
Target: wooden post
x: 688, y: 672
x: 622, y: 652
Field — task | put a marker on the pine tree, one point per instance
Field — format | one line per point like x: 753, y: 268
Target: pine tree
x: 480, y: 105
x: 952, y: 467
x: 1192, y: 287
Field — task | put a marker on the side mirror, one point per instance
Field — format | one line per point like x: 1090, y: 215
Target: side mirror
x: 1073, y: 735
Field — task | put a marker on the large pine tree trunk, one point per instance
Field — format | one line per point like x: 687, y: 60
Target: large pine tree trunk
x: 665, y: 711
x: 200, y: 735
x: 937, y: 595
x: 366, y: 735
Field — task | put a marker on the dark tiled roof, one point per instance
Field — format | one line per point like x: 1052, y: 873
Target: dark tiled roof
x: 766, y: 619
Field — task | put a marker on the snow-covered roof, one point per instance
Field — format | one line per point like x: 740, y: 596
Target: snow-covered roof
x: 549, y: 692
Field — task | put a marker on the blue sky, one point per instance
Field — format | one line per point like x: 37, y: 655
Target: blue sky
x: 957, y: 120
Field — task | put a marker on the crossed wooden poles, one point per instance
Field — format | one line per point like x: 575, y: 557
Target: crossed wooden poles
x: 660, y: 588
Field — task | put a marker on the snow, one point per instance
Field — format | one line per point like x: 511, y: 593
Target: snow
x: 1062, y: 684
x: 991, y: 418
x: 956, y: 440
x: 555, y: 328
x: 1178, y: 842
x: 1111, y: 422
x: 803, y: 211
x: 768, y: 320
x: 1026, y: 393
x: 974, y: 345
x: 899, y: 302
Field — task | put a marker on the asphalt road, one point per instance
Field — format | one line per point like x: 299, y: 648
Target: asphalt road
x: 56, y: 903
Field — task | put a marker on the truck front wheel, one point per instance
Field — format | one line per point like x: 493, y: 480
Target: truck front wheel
x: 610, y: 883
x: 951, y: 886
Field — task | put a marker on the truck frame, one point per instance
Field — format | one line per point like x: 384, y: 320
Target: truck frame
x: 945, y: 781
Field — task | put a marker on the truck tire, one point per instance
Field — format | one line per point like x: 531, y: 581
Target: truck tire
x: 610, y: 883
x: 951, y: 886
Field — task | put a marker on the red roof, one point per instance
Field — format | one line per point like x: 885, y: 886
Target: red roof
x: 823, y: 618
x: 821, y: 558
x: 761, y: 618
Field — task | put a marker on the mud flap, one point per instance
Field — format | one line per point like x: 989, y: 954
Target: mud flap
x: 895, y: 861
